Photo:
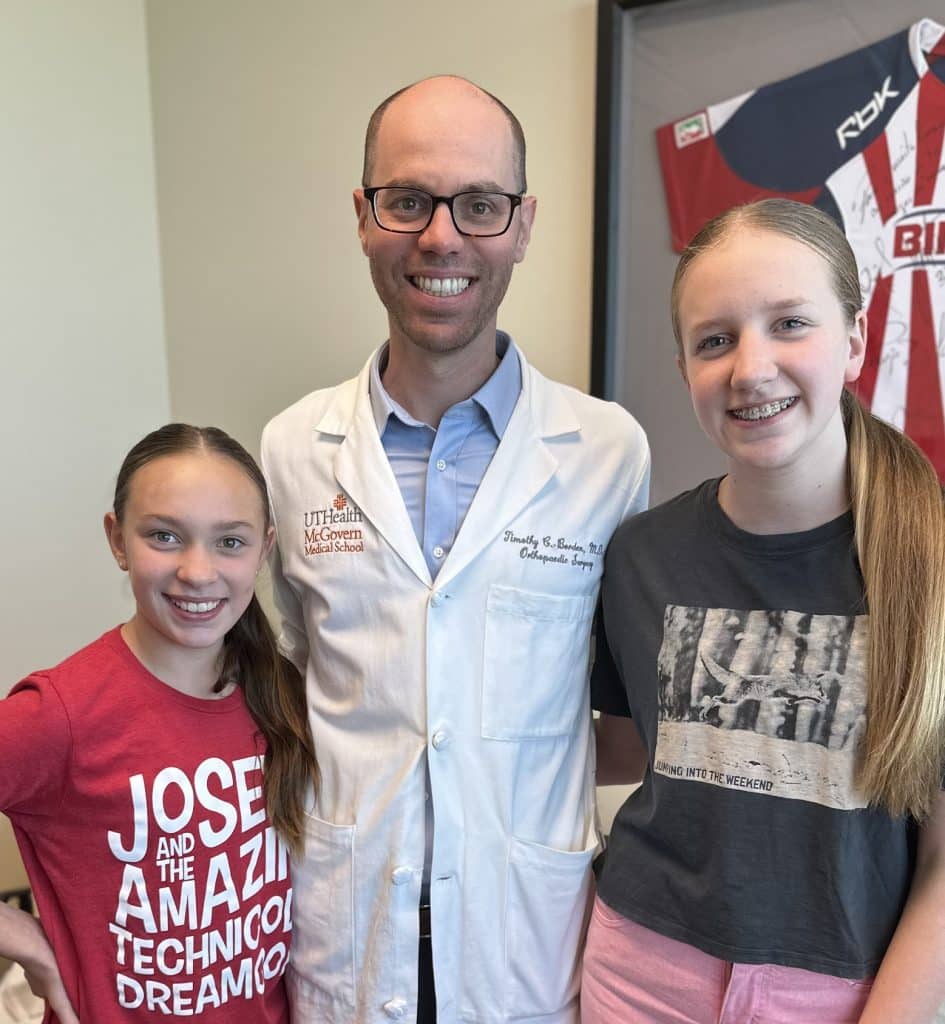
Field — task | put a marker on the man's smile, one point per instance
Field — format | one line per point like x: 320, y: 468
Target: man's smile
x: 440, y: 286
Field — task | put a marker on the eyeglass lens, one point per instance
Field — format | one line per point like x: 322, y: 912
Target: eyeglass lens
x: 474, y: 213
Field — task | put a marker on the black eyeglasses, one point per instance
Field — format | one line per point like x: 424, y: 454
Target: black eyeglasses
x: 408, y: 211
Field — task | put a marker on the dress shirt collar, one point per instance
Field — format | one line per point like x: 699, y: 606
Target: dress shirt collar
x: 496, y: 397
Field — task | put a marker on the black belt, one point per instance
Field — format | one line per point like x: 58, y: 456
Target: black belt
x: 426, y: 994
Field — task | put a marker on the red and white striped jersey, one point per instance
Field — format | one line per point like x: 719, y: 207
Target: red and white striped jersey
x: 862, y: 138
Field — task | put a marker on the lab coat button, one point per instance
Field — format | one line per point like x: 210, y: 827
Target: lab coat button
x: 395, y: 1008
x: 436, y: 599
x: 440, y: 740
x: 400, y: 875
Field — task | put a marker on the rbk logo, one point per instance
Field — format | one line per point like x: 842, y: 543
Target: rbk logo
x: 861, y: 119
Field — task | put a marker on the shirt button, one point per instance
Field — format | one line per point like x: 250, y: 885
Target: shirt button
x: 401, y: 875
x: 395, y: 1008
x: 438, y: 552
x: 441, y: 464
x: 440, y: 740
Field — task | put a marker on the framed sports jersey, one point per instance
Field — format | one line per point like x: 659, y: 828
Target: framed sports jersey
x: 861, y: 137
x: 780, y: 98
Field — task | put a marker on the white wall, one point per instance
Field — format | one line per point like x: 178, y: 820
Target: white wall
x: 81, y: 326
x: 259, y: 113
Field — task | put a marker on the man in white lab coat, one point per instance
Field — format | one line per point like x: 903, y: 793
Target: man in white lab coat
x: 441, y: 523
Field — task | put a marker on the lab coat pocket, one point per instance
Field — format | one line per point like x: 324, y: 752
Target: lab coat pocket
x: 534, y: 663
x: 321, y: 977
x: 549, y: 903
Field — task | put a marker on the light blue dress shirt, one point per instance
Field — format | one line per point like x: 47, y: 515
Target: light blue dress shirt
x: 440, y: 470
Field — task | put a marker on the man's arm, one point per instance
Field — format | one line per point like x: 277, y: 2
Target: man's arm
x: 621, y: 755
x: 910, y: 985
x: 22, y: 939
x: 638, y: 494
x: 293, y: 640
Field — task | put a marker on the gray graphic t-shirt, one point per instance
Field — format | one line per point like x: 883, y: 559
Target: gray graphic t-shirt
x: 742, y: 659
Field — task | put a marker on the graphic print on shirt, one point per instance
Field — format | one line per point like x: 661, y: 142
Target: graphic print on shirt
x: 196, y: 922
x: 766, y: 701
x: 863, y: 138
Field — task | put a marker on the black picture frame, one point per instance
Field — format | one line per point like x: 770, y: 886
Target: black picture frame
x: 614, y: 17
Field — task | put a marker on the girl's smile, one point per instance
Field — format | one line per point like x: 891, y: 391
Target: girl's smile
x: 766, y: 351
x: 193, y: 537
x: 762, y: 413
x: 196, y: 610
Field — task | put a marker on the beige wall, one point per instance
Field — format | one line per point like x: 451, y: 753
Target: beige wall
x: 81, y: 330
x: 259, y: 113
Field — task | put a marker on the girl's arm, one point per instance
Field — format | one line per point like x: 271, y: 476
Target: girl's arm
x: 22, y: 939
x: 35, y: 746
x: 621, y: 755
x: 910, y: 985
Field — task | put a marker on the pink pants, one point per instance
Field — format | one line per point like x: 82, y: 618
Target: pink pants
x: 635, y: 976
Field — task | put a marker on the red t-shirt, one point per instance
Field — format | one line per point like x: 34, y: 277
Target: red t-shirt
x: 138, y: 811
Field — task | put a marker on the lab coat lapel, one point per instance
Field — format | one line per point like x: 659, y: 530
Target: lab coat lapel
x: 363, y: 471
x: 521, y: 467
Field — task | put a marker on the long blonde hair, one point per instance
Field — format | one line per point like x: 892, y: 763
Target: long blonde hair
x: 899, y: 527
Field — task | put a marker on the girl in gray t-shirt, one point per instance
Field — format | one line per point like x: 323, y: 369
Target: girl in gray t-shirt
x: 784, y: 858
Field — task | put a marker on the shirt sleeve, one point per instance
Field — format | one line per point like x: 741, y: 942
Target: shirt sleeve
x: 35, y: 748
x: 293, y: 640
x: 608, y: 694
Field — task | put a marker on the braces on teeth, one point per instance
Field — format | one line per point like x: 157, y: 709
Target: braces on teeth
x: 761, y: 412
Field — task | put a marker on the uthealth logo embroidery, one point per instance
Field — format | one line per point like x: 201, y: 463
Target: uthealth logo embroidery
x: 327, y: 530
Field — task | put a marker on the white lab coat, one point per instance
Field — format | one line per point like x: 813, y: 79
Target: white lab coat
x: 482, y: 671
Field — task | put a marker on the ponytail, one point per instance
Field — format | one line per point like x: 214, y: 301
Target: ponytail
x: 275, y: 695
x: 273, y: 689
x: 899, y: 523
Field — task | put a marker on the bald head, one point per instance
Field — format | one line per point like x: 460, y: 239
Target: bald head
x: 443, y: 90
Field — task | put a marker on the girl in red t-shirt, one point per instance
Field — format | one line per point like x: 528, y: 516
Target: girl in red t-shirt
x: 133, y: 771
